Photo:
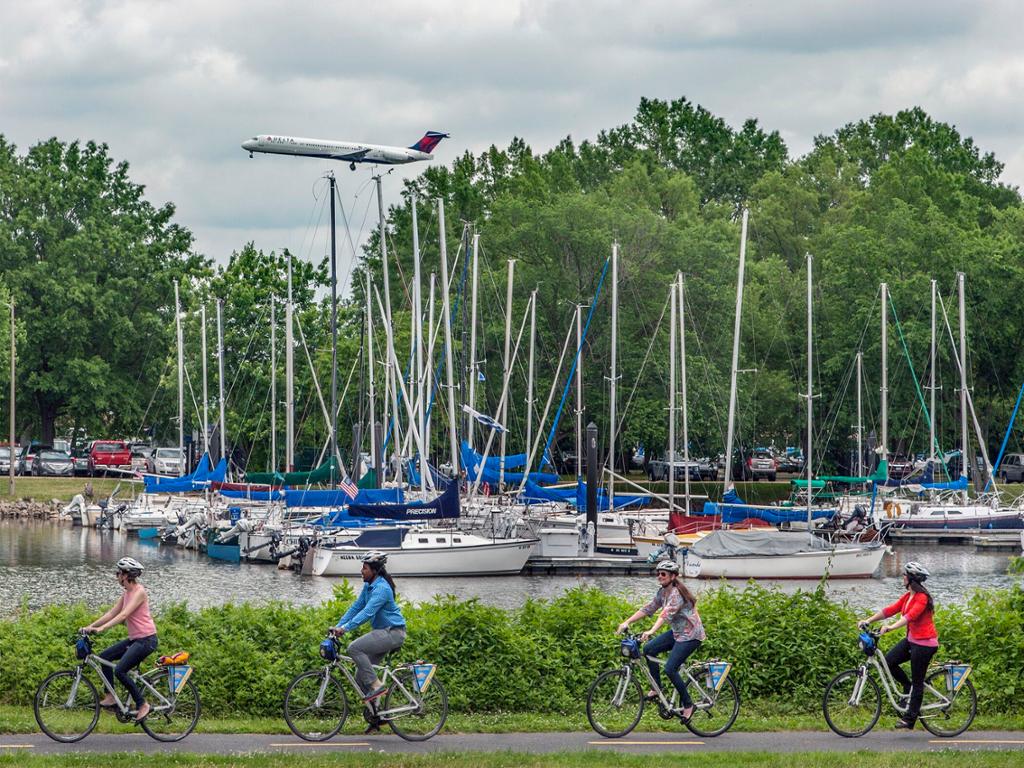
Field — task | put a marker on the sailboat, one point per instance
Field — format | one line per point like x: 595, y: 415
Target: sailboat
x: 771, y: 553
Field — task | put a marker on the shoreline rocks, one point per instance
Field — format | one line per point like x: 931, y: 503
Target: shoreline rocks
x: 30, y: 509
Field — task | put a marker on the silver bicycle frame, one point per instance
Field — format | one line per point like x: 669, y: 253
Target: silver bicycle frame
x: 900, y: 702
x: 97, y: 663
x: 386, y: 674
x: 703, y: 701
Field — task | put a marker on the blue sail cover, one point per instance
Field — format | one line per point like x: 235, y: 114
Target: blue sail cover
x: 474, y: 465
x: 199, y: 479
x: 960, y: 484
x: 444, y: 506
x: 277, y: 495
x: 621, y: 501
x: 734, y: 510
x: 440, y: 481
x: 535, y: 494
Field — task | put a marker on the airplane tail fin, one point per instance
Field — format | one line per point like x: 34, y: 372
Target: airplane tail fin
x: 430, y: 140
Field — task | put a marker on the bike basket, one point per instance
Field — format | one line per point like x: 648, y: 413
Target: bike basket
x: 422, y: 675
x: 329, y: 649
x: 177, y: 676
x: 630, y: 648
x: 956, y: 675
x: 867, y: 644
x: 717, y: 672
x: 83, y: 647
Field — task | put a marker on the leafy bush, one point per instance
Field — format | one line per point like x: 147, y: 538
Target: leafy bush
x: 537, y: 658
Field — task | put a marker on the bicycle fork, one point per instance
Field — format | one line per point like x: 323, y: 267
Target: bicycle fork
x: 623, y: 686
x: 73, y: 694
x: 858, y: 687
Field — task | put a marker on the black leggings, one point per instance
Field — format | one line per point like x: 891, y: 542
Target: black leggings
x: 131, y: 653
x: 919, y: 656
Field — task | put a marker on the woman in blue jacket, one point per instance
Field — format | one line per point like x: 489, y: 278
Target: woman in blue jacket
x: 376, y: 604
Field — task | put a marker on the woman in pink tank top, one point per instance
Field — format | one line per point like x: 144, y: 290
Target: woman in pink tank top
x: 132, y: 609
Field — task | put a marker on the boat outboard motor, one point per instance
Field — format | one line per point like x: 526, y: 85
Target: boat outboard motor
x: 244, y: 525
x: 76, y: 507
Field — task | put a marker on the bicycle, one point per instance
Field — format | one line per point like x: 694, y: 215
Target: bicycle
x: 67, y: 705
x: 316, y: 708
x: 852, y: 702
x: 615, y: 700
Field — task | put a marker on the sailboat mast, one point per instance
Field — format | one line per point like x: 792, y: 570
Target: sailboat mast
x: 963, y: 378
x: 428, y: 366
x: 289, y: 379
x: 273, y: 383
x: 220, y: 378
x: 686, y: 431
x: 808, y: 459
x: 334, y: 341
x: 507, y: 373
x: 446, y: 308
x: 206, y: 386
x: 670, y: 454
x: 860, y: 418
x: 529, y: 371
x: 181, y: 377
x: 370, y: 364
x: 735, y: 354
x: 579, y: 391
x: 473, y: 373
x: 392, y: 374
x: 614, y: 374
x: 931, y: 387
x: 417, y: 326
x: 885, y: 377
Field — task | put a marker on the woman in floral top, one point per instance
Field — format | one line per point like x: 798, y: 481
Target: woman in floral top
x: 677, y: 607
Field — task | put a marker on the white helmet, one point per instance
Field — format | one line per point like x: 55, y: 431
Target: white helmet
x: 130, y: 565
x: 667, y: 565
x: 375, y: 558
x: 915, y: 571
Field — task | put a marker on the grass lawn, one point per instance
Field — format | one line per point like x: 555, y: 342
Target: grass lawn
x: 309, y: 759
x: 63, y: 488
x: 755, y: 716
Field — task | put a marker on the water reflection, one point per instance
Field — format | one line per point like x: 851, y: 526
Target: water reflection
x: 43, y: 563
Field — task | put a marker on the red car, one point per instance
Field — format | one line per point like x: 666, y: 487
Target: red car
x: 105, y: 455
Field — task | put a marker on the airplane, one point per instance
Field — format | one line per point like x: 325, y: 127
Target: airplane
x: 349, y: 151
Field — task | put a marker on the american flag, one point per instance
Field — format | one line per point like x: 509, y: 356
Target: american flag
x: 349, y: 487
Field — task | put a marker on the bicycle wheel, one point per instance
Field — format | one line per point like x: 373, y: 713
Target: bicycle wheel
x: 308, y: 719
x: 431, y: 707
x: 843, y: 715
x: 174, y: 722
x: 721, y: 711
x: 955, y: 718
x: 66, y: 711
x: 615, y: 703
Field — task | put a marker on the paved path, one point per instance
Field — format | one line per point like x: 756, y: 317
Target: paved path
x: 879, y: 740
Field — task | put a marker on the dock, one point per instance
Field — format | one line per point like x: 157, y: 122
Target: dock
x: 986, y: 539
x: 607, y: 565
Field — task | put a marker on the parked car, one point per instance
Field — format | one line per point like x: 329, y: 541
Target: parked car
x: 1011, y: 469
x: 791, y: 462
x: 105, y: 455
x: 140, y: 454
x: 698, y: 469
x: 28, y: 455
x: 80, y: 459
x: 752, y: 465
x: 165, y: 461
x: 50, y: 463
x: 5, y: 459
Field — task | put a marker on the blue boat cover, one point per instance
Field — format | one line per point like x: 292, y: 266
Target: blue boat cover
x: 534, y: 494
x: 444, y: 506
x: 474, y: 465
x: 440, y: 481
x: 199, y: 479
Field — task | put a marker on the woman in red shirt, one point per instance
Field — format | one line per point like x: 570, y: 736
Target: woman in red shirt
x: 922, y: 641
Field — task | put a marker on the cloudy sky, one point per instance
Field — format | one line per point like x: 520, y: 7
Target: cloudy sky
x: 174, y: 87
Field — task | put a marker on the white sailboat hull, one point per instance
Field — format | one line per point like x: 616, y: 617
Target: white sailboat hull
x: 842, y: 563
x: 492, y: 558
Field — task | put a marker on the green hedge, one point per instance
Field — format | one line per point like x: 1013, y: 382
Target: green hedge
x: 537, y: 658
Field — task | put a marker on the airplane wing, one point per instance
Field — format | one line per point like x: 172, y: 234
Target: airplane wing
x: 354, y: 157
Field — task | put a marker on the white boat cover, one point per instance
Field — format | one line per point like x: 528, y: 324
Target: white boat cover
x: 756, y: 543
